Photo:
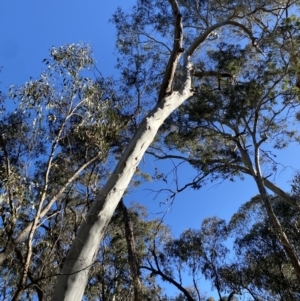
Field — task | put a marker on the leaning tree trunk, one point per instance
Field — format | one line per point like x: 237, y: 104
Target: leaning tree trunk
x: 71, y: 283
x: 73, y: 279
x: 261, y: 184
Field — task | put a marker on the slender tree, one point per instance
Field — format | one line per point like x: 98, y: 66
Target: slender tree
x: 53, y: 157
x: 132, y: 254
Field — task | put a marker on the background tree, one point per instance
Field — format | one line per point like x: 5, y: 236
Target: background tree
x: 56, y: 147
x: 255, y: 266
x: 262, y: 266
x: 244, y: 101
x: 196, y: 253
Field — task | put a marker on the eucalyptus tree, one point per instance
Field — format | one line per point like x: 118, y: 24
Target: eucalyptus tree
x: 260, y: 265
x: 254, y: 267
x: 58, y: 136
x: 197, y: 253
x: 162, y: 46
x: 244, y: 110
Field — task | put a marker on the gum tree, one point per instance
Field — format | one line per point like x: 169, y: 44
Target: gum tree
x: 261, y: 266
x: 53, y: 157
x: 255, y: 267
x: 162, y: 44
x: 231, y: 129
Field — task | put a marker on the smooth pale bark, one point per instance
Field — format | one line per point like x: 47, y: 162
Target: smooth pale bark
x: 71, y: 283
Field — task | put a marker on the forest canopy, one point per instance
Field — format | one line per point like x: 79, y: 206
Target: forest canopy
x: 214, y: 84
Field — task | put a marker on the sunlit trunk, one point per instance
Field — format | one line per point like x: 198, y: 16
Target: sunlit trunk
x: 73, y: 279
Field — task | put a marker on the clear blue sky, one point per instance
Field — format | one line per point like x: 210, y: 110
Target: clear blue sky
x: 28, y: 29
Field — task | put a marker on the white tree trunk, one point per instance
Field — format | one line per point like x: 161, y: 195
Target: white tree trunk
x: 71, y: 283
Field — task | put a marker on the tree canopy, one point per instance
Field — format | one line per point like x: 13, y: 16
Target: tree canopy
x: 211, y: 83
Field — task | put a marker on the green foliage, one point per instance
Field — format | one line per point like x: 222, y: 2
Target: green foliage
x: 68, y: 128
x: 262, y: 262
x: 248, y: 107
x: 56, y: 148
x: 256, y: 267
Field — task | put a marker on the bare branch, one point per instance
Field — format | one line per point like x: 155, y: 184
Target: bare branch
x: 159, y: 272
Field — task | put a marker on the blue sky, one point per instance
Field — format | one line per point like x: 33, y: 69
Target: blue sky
x: 28, y: 29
